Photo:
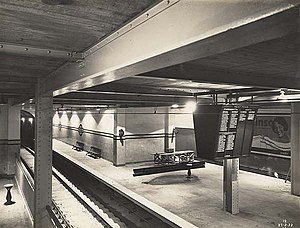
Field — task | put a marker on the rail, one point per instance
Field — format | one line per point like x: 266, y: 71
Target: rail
x: 53, y: 217
x: 58, y: 219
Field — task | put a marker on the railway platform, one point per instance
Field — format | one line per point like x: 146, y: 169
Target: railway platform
x: 264, y: 201
x: 14, y: 215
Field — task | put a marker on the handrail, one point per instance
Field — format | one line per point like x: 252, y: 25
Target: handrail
x: 53, y: 217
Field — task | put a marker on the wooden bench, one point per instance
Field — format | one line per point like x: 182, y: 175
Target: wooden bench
x: 169, y: 168
x: 79, y: 146
x: 94, y: 152
x: 173, y: 157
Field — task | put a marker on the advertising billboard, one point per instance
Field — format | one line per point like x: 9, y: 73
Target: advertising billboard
x: 272, y: 133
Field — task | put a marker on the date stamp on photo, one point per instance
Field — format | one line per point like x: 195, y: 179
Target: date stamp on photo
x: 285, y: 223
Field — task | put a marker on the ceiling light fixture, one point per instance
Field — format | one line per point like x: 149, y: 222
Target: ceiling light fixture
x: 282, y: 95
x: 191, y: 106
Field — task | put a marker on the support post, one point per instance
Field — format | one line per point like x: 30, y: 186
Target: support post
x: 43, y: 157
x: 295, y: 149
x: 119, y: 155
x: 9, y: 138
x: 295, y: 130
x: 231, y: 185
x: 166, y: 129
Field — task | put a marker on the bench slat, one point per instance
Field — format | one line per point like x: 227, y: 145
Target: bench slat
x: 94, y: 152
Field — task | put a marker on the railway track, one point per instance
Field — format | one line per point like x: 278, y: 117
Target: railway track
x: 101, y: 205
x: 127, y: 211
x: 71, y: 207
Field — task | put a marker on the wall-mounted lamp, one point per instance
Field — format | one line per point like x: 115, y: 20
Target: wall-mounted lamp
x: 282, y: 95
x: 191, y: 106
x: 174, y: 106
x: 23, y: 119
x: 30, y: 120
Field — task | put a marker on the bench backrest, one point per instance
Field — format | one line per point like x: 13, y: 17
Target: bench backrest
x: 79, y: 144
x: 95, y: 149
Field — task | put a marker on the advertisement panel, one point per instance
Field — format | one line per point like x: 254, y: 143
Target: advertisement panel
x: 272, y: 133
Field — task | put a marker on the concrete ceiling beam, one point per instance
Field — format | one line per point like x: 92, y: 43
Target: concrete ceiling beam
x: 25, y: 50
x: 138, y: 90
x: 124, y: 97
x: 23, y: 80
x: 181, y: 32
x: 198, y: 74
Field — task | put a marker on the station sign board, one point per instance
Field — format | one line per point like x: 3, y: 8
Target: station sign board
x: 223, y: 131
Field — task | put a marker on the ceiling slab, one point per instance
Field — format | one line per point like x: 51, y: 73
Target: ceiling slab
x: 238, y: 25
x: 136, y: 55
x: 39, y: 36
x: 269, y: 64
x: 70, y: 25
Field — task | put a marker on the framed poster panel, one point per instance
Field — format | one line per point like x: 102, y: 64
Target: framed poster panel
x: 272, y: 133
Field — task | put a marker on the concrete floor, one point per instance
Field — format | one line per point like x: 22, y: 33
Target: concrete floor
x: 15, y: 215
x: 264, y: 201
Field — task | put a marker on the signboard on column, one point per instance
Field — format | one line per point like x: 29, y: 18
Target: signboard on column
x: 223, y: 131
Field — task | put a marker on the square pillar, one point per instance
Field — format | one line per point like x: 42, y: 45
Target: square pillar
x: 295, y: 130
x: 295, y: 149
x: 166, y: 128
x: 231, y: 185
x: 9, y: 138
x: 43, y: 158
x: 119, y: 155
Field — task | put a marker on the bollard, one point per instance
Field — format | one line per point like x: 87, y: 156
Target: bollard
x: 8, y: 195
x: 189, y: 172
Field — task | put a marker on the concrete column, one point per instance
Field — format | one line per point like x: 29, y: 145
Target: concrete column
x: 119, y: 156
x: 295, y: 132
x: 295, y: 149
x: 43, y: 158
x: 9, y: 138
x: 166, y: 128
x: 231, y: 185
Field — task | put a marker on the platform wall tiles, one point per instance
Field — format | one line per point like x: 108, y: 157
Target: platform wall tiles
x: 9, y: 138
x: 92, y: 128
x: 179, y: 118
x: 145, y: 133
x: 143, y: 128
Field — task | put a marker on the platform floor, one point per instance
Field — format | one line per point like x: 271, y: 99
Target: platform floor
x: 15, y: 215
x: 264, y: 201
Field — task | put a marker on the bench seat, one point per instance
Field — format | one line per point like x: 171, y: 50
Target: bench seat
x: 79, y: 146
x: 94, y: 152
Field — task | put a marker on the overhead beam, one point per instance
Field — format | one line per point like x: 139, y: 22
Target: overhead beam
x: 157, y: 43
x: 16, y: 91
x: 124, y: 97
x: 140, y: 93
x: 10, y: 79
x: 137, y: 89
x: 26, y: 50
x: 77, y: 102
x: 236, y: 92
x: 219, y: 76
x: 13, y: 86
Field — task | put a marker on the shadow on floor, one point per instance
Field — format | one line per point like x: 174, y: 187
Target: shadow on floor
x: 9, y: 203
x: 172, y: 179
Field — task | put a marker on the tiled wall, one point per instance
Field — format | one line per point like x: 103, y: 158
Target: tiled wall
x: 99, y: 128
x: 144, y: 131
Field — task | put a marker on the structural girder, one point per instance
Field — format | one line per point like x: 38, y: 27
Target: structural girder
x: 182, y: 32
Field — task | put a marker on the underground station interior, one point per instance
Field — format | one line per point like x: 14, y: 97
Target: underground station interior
x: 147, y: 113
